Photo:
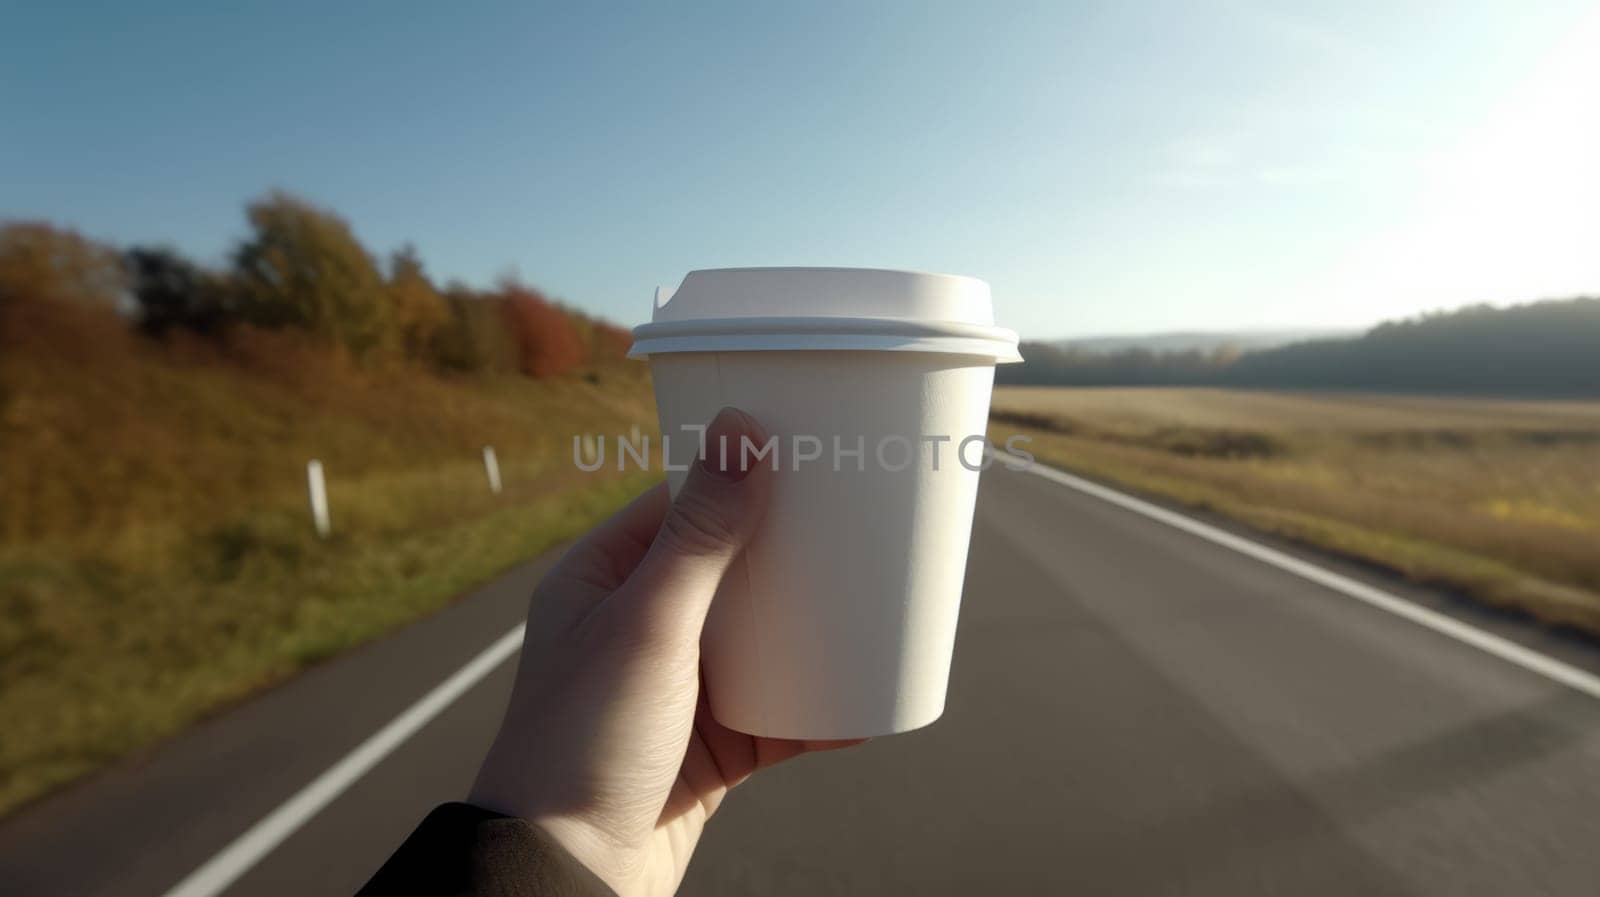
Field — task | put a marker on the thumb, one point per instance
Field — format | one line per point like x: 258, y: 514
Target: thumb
x: 711, y: 520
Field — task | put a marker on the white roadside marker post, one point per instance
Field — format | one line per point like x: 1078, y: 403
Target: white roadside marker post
x: 318, y: 489
x: 491, y: 466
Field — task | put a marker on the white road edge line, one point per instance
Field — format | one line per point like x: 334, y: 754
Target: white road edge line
x: 222, y: 870
x: 1503, y: 648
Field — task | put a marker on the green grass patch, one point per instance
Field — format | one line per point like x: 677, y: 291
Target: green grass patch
x: 157, y: 559
x: 100, y: 656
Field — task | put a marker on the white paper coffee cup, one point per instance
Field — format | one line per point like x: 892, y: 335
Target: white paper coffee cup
x: 839, y: 619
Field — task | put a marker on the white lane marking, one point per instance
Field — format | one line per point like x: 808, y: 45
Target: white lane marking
x: 1505, y: 649
x: 260, y: 839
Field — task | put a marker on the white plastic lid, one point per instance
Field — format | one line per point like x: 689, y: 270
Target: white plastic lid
x: 787, y: 309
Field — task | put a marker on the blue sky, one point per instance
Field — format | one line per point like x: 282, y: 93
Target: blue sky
x: 1119, y: 167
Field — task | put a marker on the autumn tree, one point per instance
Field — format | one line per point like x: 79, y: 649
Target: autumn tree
x: 474, y: 337
x: 43, y: 263
x: 303, y: 267
x: 611, y: 343
x: 174, y: 292
x: 548, y: 342
x: 419, y: 311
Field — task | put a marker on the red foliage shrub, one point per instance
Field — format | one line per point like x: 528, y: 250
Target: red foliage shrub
x: 548, y: 343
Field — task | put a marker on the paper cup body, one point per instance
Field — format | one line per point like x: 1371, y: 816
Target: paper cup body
x: 839, y: 619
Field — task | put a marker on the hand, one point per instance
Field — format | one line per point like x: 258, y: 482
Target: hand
x: 608, y: 744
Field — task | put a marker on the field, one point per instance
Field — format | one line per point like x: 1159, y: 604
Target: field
x: 1499, y: 499
x: 157, y: 559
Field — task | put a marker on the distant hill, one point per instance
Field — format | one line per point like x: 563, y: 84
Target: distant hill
x: 1199, y: 340
x: 1541, y: 348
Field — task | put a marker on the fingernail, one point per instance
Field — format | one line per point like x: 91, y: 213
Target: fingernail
x: 724, y: 452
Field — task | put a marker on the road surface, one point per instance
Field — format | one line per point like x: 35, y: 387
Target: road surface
x: 1134, y: 709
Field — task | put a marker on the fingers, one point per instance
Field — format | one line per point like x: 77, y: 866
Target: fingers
x: 600, y: 562
x: 631, y: 529
x: 738, y: 754
x: 713, y: 517
x: 770, y: 751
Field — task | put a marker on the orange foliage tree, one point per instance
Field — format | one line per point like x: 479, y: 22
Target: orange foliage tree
x: 44, y: 263
x: 419, y: 311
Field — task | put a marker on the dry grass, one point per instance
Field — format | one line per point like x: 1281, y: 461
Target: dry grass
x: 1498, y: 498
x: 156, y: 553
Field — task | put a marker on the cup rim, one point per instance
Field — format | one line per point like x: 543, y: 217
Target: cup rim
x: 825, y: 332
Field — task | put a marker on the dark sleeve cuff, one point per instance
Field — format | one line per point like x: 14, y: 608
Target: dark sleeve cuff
x: 464, y: 851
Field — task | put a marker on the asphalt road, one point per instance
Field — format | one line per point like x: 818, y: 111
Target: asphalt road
x: 1133, y: 710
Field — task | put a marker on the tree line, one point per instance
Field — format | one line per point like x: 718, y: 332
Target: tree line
x: 1047, y: 365
x: 303, y: 269
x: 1541, y: 348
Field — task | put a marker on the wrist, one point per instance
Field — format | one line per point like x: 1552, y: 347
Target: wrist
x: 579, y: 841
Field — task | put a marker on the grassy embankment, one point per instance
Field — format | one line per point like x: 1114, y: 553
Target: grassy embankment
x: 157, y: 559
x: 1496, y: 498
